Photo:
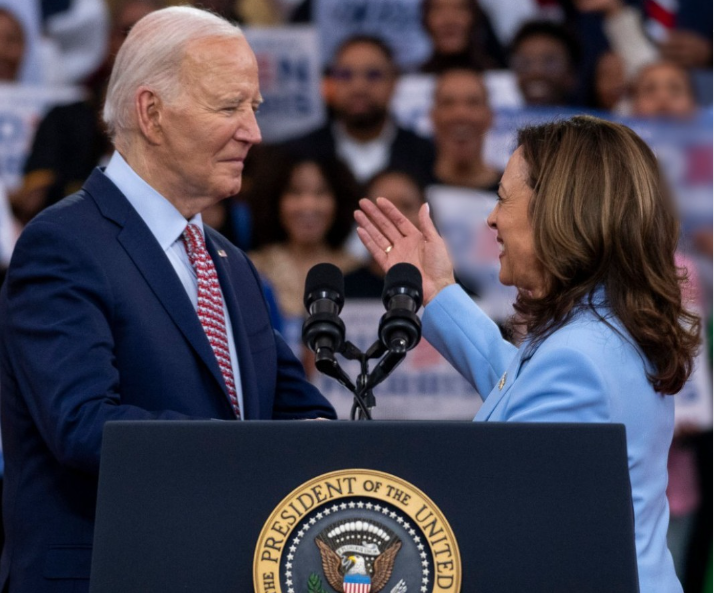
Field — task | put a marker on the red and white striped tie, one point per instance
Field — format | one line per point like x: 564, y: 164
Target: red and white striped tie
x: 210, y: 306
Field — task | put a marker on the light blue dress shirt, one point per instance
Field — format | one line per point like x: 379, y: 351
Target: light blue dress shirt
x: 167, y: 224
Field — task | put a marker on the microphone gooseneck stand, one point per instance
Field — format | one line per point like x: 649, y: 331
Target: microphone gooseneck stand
x: 324, y: 332
x: 364, y: 399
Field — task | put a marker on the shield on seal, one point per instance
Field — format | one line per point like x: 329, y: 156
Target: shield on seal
x: 357, y: 583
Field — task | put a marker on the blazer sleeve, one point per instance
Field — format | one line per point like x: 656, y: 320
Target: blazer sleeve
x: 60, y: 343
x: 467, y: 338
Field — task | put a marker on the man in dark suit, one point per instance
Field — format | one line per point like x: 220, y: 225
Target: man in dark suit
x: 360, y: 86
x: 120, y: 305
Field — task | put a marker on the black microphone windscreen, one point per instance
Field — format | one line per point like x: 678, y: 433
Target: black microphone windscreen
x: 402, y: 275
x: 324, y: 278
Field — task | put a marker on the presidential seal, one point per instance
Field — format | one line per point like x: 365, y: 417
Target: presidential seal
x: 357, y: 531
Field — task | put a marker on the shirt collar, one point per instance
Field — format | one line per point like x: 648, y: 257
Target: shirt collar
x: 165, y: 222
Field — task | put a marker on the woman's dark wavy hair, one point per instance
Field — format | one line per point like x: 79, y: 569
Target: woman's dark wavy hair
x: 484, y: 51
x: 272, y: 177
x: 602, y: 216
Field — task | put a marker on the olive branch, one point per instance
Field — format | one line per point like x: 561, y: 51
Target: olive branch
x: 314, y: 584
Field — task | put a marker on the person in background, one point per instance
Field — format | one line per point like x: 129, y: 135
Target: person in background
x: 119, y: 304
x: 362, y: 134
x: 545, y: 58
x: 587, y: 234
x: 678, y: 32
x: 12, y: 46
x: 663, y: 89
x: 461, y: 36
x: 402, y: 190
x: 71, y: 140
x: 12, y: 51
x: 302, y: 214
x: 609, y: 84
x: 461, y: 117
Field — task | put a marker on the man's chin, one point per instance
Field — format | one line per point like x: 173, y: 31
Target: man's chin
x: 364, y: 120
x: 232, y: 188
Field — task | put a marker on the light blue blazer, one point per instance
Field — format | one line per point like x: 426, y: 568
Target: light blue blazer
x: 583, y: 372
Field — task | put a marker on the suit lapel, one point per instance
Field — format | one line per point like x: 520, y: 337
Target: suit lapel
x: 249, y: 382
x: 143, y: 249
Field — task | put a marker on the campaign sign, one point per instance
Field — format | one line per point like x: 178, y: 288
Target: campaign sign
x: 290, y: 80
x: 398, y: 22
x: 21, y: 110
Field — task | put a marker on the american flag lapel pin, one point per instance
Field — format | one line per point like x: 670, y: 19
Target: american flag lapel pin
x: 222, y: 253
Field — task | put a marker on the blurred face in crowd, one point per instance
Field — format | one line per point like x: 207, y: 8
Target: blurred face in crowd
x: 543, y: 70
x: 363, y: 82
x: 129, y: 14
x: 402, y: 191
x: 206, y: 132
x: 460, y: 114
x: 610, y: 80
x: 514, y: 233
x: 663, y: 90
x: 12, y: 46
x: 307, y: 207
x: 449, y: 23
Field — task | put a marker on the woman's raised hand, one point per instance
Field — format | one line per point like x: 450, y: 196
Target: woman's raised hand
x: 391, y: 238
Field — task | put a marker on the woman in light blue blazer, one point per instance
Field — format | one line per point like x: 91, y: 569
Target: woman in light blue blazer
x: 587, y: 234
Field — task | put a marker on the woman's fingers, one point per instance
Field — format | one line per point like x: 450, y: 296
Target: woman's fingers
x: 427, y: 225
x: 400, y: 221
x: 377, y: 214
x: 379, y: 255
x: 375, y: 234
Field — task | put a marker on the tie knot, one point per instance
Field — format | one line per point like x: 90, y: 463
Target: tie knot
x: 193, y: 240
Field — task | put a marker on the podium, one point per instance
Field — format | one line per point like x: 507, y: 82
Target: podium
x: 270, y: 506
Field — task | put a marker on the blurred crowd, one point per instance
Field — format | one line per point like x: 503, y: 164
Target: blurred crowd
x: 649, y: 60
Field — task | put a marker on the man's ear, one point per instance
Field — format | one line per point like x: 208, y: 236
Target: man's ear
x: 148, y: 106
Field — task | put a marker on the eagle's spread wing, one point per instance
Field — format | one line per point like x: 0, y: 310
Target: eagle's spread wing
x: 383, y: 566
x: 330, y: 565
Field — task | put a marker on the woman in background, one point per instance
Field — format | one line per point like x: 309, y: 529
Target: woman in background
x: 461, y: 35
x: 302, y: 215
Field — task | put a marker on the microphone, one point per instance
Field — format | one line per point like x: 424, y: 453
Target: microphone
x: 323, y: 331
x: 399, y: 328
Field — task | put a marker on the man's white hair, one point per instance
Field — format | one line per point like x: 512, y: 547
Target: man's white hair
x: 152, y: 55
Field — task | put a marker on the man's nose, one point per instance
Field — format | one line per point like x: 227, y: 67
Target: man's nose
x: 250, y: 131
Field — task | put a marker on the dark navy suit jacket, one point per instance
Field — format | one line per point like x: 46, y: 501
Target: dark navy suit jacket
x: 95, y: 326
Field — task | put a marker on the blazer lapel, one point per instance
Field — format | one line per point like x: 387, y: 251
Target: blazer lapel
x: 249, y: 381
x: 142, y: 247
x: 501, y: 389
